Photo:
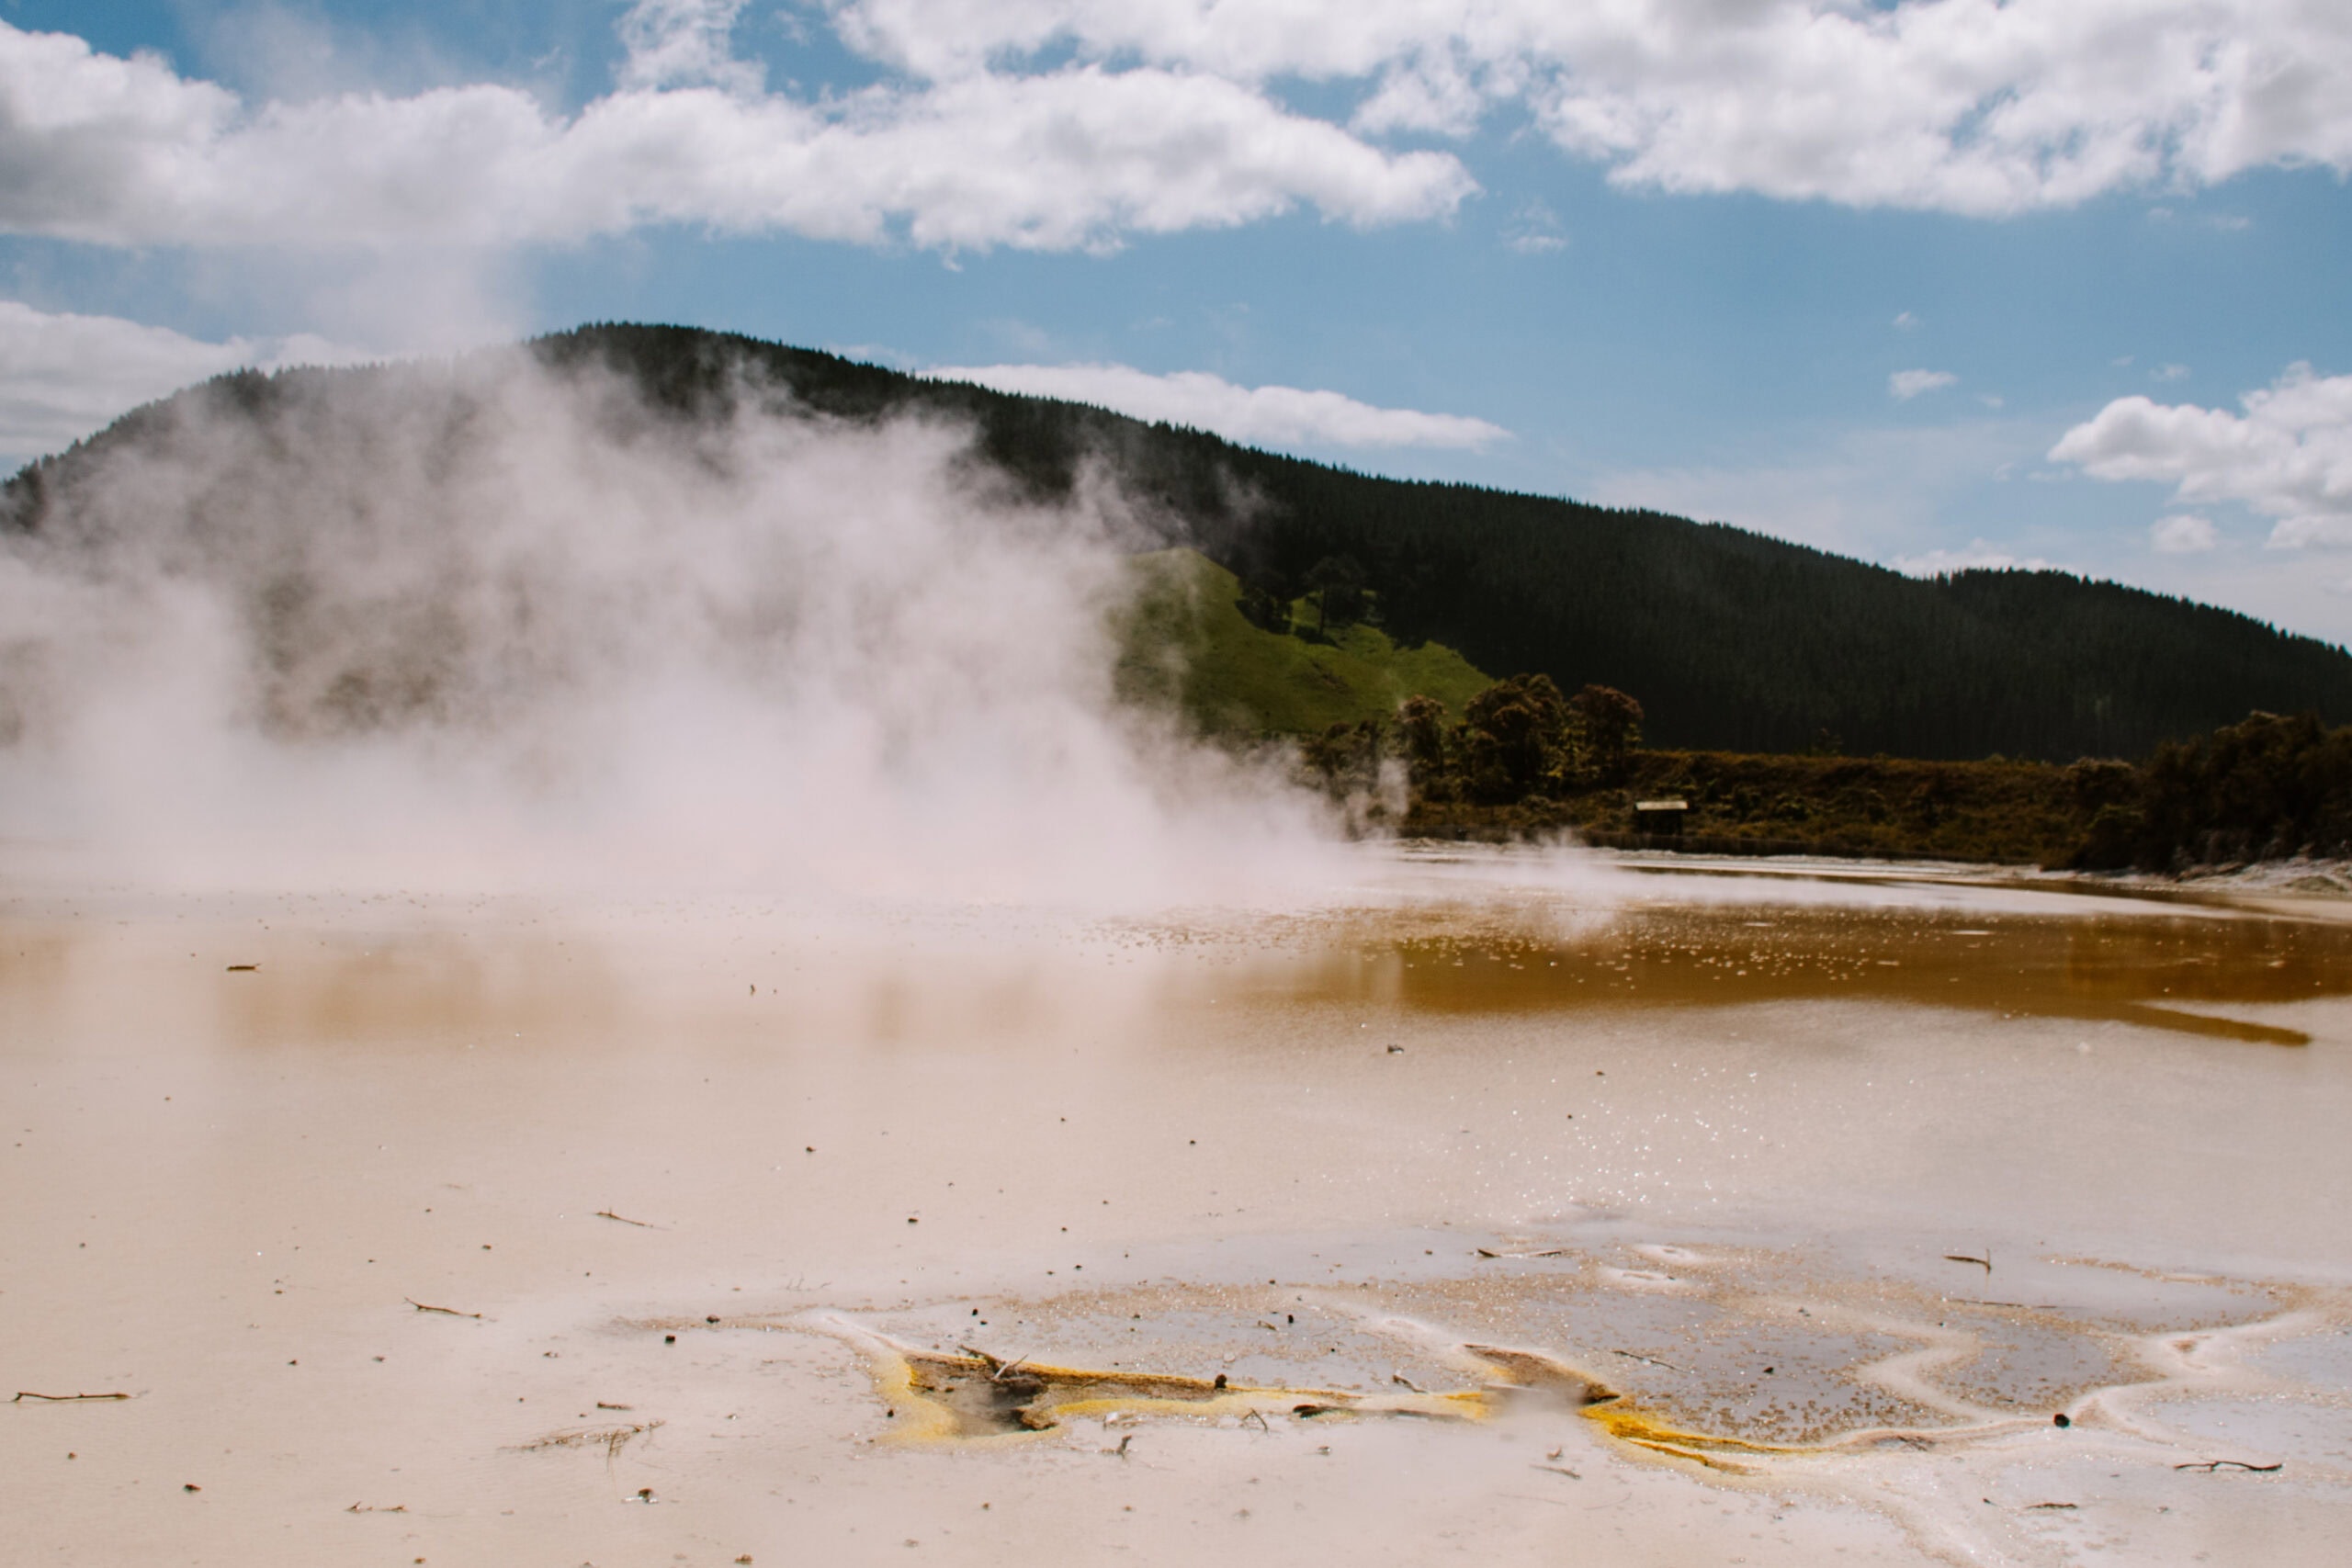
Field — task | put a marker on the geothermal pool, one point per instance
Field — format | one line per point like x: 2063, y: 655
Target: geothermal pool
x: 1525, y: 1208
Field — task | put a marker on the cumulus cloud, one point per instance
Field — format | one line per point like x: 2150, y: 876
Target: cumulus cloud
x: 1976, y: 107
x: 1905, y: 385
x: 1056, y: 124
x: 62, y: 377
x: 124, y: 152
x: 1269, y: 416
x: 2185, y: 534
x: 2287, y: 455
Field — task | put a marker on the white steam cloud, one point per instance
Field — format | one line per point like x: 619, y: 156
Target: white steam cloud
x: 477, y: 625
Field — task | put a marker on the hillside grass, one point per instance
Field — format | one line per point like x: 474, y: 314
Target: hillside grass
x: 1184, y: 642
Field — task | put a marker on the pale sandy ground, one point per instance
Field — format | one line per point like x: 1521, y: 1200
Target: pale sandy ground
x: 1180, y: 1145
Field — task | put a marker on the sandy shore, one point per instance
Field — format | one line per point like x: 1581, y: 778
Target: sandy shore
x: 1529, y: 1210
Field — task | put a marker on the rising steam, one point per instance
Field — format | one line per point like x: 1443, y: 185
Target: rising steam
x: 487, y: 625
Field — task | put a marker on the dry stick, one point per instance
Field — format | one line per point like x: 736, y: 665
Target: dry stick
x: 371, y: 1508
x: 446, y: 1311
x: 63, y: 1398
x: 1985, y: 1262
x: 1652, y: 1360
x: 609, y: 1214
x: 2211, y: 1465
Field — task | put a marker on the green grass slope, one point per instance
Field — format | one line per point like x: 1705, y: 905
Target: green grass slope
x: 1184, y: 642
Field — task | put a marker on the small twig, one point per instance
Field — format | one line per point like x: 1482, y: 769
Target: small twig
x: 1400, y: 1376
x: 1558, y: 1469
x: 1250, y: 1415
x: 602, y: 1405
x: 2030, y: 1507
x: 1546, y: 1252
x: 445, y: 1311
x: 371, y: 1508
x: 1985, y: 1262
x: 1121, y: 1452
x: 63, y: 1398
x: 611, y: 1439
x: 1652, y: 1360
x: 641, y: 1225
x: 2211, y: 1465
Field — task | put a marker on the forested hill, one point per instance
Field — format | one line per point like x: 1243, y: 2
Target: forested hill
x: 1730, y: 640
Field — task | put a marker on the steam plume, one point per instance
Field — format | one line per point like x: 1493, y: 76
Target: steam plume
x: 486, y: 624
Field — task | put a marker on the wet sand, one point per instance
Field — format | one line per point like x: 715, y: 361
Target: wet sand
x: 1528, y: 1209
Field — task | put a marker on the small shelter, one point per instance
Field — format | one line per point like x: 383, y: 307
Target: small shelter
x: 1660, y: 815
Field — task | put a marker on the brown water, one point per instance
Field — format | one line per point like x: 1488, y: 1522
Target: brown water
x: 1515, y: 1202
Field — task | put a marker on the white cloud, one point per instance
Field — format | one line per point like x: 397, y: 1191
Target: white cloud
x: 2169, y: 373
x: 1979, y: 107
x: 1271, y: 416
x: 685, y: 44
x: 125, y: 152
x: 2184, y: 534
x: 2287, y: 456
x: 63, y: 376
x: 1056, y: 124
x: 1980, y: 555
x: 1905, y: 385
x: 1906, y: 321
x: 1534, y: 230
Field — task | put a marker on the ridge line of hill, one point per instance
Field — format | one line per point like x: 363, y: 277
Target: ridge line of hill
x: 1731, y: 641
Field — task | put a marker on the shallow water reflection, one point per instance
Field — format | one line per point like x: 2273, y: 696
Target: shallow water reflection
x: 2160, y: 970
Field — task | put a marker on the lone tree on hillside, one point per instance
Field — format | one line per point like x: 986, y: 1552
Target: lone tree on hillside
x: 1338, y: 584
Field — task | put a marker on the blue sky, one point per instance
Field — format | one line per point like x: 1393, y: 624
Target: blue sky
x: 1932, y: 283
